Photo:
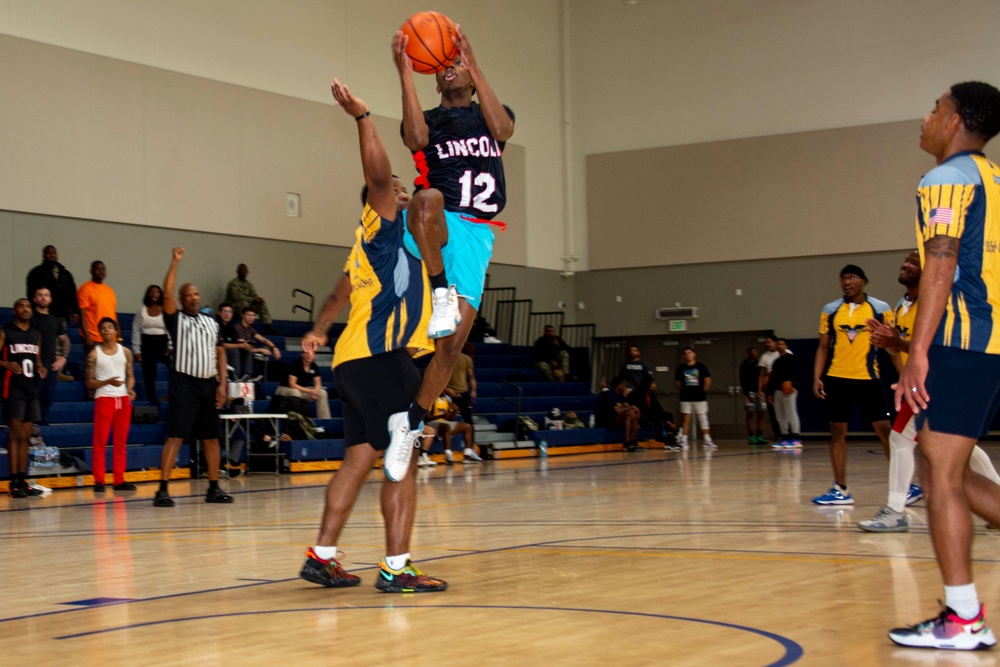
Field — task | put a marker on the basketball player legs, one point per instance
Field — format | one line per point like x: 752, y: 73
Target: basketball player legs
x: 426, y: 223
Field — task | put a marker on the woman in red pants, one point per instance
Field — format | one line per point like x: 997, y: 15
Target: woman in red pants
x: 109, y: 376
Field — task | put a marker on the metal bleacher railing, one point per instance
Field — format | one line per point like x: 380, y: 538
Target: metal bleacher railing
x: 312, y: 303
x: 606, y: 357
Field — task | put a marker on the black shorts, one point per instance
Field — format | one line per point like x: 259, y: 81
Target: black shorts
x: 192, y: 408
x: 22, y: 409
x: 842, y: 393
x: 371, y: 390
x: 964, y: 388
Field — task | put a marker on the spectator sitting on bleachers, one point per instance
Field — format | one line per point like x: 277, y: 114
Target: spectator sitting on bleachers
x: 53, y: 275
x: 150, y: 340
x: 440, y: 422
x: 613, y: 409
x: 304, y: 382
x: 231, y: 341
x: 109, y: 375
x: 246, y: 333
x: 550, y: 354
x: 241, y: 293
x: 97, y: 301
x: 651, y: 413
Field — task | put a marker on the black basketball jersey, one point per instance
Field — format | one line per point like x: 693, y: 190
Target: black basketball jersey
x: 21, y: 347
x: 463, y: 161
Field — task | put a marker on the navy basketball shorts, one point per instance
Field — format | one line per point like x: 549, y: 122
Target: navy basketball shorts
x: 964, y: 388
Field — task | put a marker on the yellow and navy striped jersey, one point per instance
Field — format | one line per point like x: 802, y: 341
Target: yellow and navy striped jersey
x: 390, y: 294
x: 960, y: 198
x: 906, y: 317
x: 852, y: 354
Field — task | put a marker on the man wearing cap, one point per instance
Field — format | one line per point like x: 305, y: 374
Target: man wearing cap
x: 846, y: 372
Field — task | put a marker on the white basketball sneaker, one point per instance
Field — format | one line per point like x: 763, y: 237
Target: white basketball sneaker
x: 402, y: 442
x: 445, y: 317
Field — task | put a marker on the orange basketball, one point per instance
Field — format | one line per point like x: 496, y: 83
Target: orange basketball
x: 431, y: 46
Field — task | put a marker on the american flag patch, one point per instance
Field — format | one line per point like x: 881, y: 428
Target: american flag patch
x: 940, y: 216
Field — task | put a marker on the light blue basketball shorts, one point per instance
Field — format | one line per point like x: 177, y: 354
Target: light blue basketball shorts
x: 466, y: 255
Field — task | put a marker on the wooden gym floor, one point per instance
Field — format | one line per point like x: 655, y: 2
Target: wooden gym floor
x: 614, y: 558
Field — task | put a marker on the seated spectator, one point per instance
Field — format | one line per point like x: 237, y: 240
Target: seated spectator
x: 231, y: 342
x: 614, y: 410
x: 440, y: 422
x: 551, y: 355
x: 256, y: 344
x: 150, y: 340
x: 241, y: 294
x: 97, y: 301
x: 651, y: 413
x: 109, y: 376
x: 304, y: 382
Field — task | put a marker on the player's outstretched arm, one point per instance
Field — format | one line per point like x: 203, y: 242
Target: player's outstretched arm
x: 497, y: 119
x: 170, y: 282
x: 415, y: 131
x: 374, y: 159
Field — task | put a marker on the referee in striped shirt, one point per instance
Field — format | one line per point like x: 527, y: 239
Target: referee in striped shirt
x: 197, y: 383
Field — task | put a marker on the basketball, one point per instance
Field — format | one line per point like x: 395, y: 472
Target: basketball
x: 431, y: 46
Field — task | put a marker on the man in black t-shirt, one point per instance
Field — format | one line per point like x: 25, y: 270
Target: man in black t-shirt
x: 694, y: 381
x: 21, y: 362
x: 635, y: 370
x: 304, y: 382
x: 53, y: 275
x: 55, y: 348
x: 550, y: 354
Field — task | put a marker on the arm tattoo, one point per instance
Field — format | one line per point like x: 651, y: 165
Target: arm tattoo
x: 91, y: 365
x: 942, y: 247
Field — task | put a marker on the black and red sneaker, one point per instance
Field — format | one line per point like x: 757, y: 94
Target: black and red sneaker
x: 326, y: 572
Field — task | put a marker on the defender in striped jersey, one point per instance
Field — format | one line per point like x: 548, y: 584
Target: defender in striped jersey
x: 372, y: 369
x: 197, y: 383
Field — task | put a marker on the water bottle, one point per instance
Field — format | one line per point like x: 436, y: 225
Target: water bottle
x: 543, y: 448
x: 249, y: 403
x: 592, y: 421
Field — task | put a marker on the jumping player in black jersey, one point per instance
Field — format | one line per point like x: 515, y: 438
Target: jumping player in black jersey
x: 21, y: 361
x: 460, y: 188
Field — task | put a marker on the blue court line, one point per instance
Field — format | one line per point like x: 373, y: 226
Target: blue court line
x: 793, y: 650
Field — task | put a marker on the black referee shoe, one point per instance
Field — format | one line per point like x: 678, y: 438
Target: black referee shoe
x: 217, y: 496
x: 163, y: 499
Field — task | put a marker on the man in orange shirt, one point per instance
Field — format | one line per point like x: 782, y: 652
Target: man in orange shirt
x: 97, y: 301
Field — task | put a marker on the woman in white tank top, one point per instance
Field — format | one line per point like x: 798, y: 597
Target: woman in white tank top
x: 109, y: 375
x: 150, y: 340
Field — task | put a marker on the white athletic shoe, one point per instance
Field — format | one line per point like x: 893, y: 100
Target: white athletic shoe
x: 709, y: 444
x: 444, y: 314
x: 425, y: 461
x: 471, y: 456
x: 683, y: 442
x: 886, y: 520
x: 402, y: 442
x: 449, y: 458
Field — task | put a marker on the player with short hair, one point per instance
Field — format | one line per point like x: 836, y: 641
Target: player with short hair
x: 460, y: 188
x: 852, y: 375
x: 21, y: 361
x: 372, y: 370
x: 951, y: 379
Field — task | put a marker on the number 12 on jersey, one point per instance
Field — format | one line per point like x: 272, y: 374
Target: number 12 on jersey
x: 484, y: 181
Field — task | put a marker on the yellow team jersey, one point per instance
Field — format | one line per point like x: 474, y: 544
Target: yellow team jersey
x: 852, y: 354
x: 906, y: 317
x: 960, y: 198
x: 390, y: 294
